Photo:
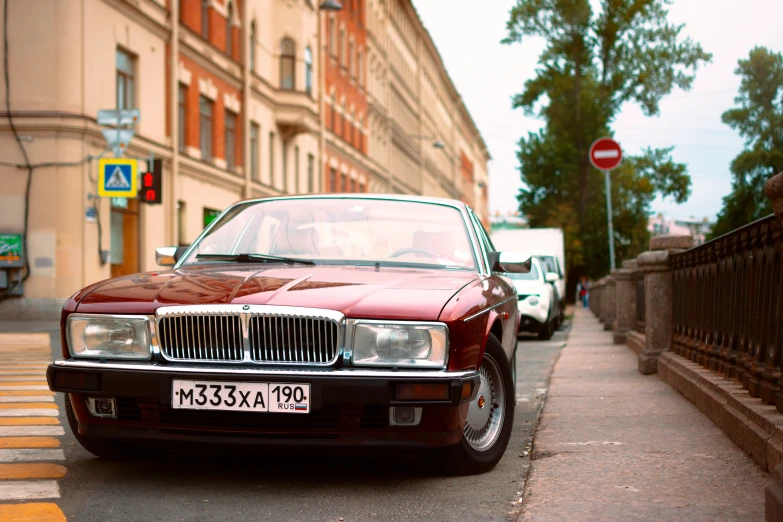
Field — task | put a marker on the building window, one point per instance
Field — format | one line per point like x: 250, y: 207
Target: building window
x: 182, y: 95
x: 231, y: 140
x: 333, y: 114
x: 361, y: 187
x: 332, y: 180
x: 205, y: 127
x: 332, y: 38
x: 308, y: 71
x: 297, y: 182
x: 229, y: 32
x: 287, y: 64
x: 350, y: 59
x: 342, y: 122
x: 360, y: 66
x: 271, y: 158
x: 205, y: 18
x: 253, y: 46
x: 342, y: 48
x: 254, y: 132
x: 310, y: 173
x: 126, y: 82
x: 284, y: 161
x: 353, y: 128
x: 343, y: 183
x: 353, y: 185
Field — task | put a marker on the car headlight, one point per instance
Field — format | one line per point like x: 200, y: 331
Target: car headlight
x: 533, y: 300
x: 108, y: 337
x: 400, y: 344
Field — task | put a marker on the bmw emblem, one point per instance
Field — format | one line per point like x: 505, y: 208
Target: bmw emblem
x: 246, y: 307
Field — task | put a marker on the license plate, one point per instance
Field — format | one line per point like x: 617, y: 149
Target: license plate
x: 240, y: 396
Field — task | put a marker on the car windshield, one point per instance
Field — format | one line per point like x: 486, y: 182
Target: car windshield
x: 533, y: 275
x: 339, y: 231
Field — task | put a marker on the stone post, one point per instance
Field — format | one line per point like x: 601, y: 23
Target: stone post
x: 658, y: 297
x: 625, y: 309
x: 610, y: 302
x: 774, y: 191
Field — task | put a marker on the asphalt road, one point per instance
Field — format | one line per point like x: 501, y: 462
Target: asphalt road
x: 289, y: 485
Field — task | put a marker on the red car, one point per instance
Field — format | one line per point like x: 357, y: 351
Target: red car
x: 334, y: 320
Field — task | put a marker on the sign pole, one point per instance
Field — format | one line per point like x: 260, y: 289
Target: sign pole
x: 609, y: 218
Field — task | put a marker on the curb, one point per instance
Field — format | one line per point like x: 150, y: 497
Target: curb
x: 755, y: 427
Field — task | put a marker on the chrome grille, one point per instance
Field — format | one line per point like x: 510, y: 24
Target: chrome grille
x: 293, y: 340
x: 201, y: 337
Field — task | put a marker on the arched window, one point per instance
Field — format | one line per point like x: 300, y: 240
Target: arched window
x: 253, y: 46
x: 334, y: 114
x: 351, y: 59
x: 332, y: 38
x: 308, y: 58
x: 205, y: 18
x: 287, y: 64
x: 229, y: 32
x: 342, y: 47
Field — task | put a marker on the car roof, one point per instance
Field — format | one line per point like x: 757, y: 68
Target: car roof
x: 383, y: 197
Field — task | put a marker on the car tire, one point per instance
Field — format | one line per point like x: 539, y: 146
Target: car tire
x: 101, y: 447
x: 477, y: 453
x: 546, y: 331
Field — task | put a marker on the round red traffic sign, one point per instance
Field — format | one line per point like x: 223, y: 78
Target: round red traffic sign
x: 605, y: 154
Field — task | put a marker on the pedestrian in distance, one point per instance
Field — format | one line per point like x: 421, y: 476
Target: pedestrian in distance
x: 583, y: 291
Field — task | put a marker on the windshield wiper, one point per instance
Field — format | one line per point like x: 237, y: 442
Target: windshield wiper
x: 254, y: 258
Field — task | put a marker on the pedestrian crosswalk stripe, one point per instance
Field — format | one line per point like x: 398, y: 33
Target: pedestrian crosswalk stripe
x: 29, y: 442
x: 12, y: 381
x: 22, y: 399
x: 28, y: 421
x: 33, y: 470
x: 29, y: 489
x: 16, y: 373
x: 21, y: 455
x: 32, y: 512
x: 25, y: 393
x: 32, y: 405
x: 32, y: 412
x: 31, y: 431
x: 18, y: 386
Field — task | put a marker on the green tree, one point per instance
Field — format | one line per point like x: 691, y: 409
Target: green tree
x: 758, y: 118
x: 593, y: 64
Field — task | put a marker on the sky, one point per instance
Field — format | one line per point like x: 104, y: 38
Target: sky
x: 487, y: 74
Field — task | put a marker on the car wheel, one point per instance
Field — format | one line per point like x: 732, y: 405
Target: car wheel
x: 546, y: 330
x: 101, y: 447
x: 490, y: 416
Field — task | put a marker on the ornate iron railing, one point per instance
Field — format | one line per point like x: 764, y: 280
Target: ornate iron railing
x: 727, y: 307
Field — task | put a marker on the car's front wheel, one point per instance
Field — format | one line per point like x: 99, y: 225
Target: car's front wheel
x: 490, y: 415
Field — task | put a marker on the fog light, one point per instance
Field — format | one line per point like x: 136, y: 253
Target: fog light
x: 404, y: 416
x: 103, y: 407
x: 422, y: 392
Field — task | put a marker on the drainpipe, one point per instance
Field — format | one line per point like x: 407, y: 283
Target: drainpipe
x: 244, y: 32
x: 173, y: 213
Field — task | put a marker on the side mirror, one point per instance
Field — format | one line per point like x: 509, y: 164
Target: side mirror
x: 551, y: 277
x: 168, y: 256
x: 510, y: 262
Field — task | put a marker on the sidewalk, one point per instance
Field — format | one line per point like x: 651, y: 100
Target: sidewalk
x: 617, y: 445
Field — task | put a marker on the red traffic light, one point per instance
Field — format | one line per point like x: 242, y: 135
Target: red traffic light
x: 152, y: 184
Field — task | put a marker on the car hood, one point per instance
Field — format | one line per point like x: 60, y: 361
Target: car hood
x: 360, y: 292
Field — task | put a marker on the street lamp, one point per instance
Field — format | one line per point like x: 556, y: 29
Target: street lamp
x: 331, y: 5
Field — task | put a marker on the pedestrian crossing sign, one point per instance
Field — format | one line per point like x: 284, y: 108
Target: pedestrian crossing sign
x: 117, y: 177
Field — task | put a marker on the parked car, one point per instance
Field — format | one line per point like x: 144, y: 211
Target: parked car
x: 550, y: 264
x: 330, y: 320
x: 546, y: 243
x: 537, y: 300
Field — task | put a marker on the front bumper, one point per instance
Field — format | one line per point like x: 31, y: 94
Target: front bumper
x: 348, y: 405
x: 538, y: 313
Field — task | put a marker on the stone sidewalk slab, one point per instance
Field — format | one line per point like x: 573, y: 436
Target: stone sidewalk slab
x: 617, y: 445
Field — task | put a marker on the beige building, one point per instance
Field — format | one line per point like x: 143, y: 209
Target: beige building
x: 237, y: 99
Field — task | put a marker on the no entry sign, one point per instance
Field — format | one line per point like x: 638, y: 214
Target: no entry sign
x: 605, y: 154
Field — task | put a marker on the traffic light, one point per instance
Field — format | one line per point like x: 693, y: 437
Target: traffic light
x: 152, y: 184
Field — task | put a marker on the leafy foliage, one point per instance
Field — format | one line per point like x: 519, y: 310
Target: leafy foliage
x: 593, y: 63
x: 758, y: 118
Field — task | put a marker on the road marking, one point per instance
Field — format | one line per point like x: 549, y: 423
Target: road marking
x: 33, y: 405
x: 22, y: 399
x: 21, y: 455
x: 33, y: 412
x: 28, y: 421
x: 33, y: 512
x: 29, y: 489
x: 31, y: 471
x: 25, y: 393
x: 29, y: 442
x: 23, y: 371
x: 31, y: 431
x: 21, y: 381
x: 24, y: 387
